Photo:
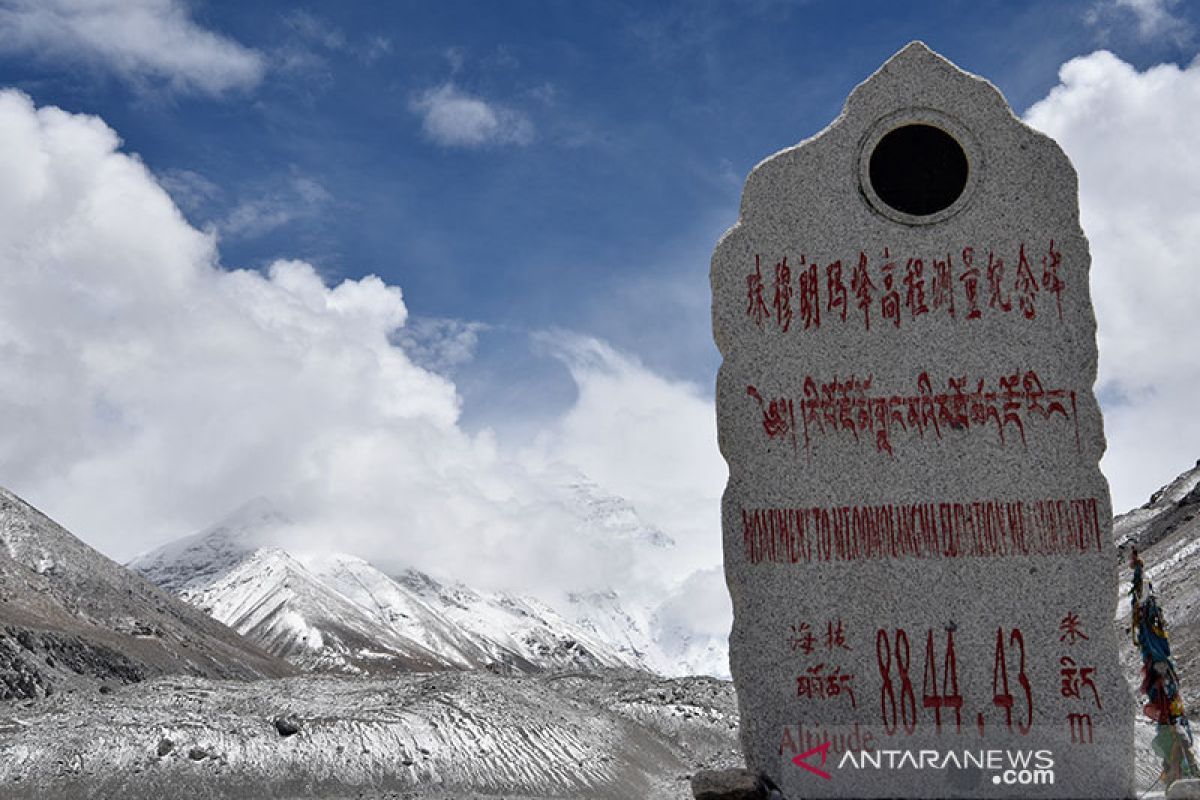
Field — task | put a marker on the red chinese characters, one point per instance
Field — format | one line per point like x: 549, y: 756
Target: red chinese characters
x: 1027, y: 286
x: 835, y: 290
x: 901, y: 290
x: 810, y: 296
x: 864, y: 289
x: 1070, y: 629
x: 756, y: 309
x: 783, y: 295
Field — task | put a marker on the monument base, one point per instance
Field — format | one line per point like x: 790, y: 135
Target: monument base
x: 733, y: 784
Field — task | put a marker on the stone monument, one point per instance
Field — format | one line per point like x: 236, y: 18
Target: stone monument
x: 916, y: 529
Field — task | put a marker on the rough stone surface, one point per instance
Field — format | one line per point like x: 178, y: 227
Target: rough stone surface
x: 917, y: 533
x: 727, y: 784
x: 1187, y: 789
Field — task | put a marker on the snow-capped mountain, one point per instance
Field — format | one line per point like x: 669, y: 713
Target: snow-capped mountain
x: 276, y: 601
x: 232, y: 572
x: 469, y: 628
x: 603, y: 615
x: 193, y: 562
x: 603, y: 513
x: 389, y: 605
x: 336, y: 612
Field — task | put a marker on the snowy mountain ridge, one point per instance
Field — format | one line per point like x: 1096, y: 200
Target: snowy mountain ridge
x: 337, y: 612
x: 1143, y: 526
x: 197, y: 560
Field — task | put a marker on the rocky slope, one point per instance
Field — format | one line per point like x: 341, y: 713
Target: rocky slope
x: 1166, y: 532
x: 73, y: 620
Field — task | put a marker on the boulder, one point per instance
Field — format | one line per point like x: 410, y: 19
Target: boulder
x: 728, y: 784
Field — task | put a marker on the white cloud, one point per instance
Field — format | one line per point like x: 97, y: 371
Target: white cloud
x: 653, y: 441
x: 692, y: 625
x: 456, y: 57
x: 1132, y: 138
x: 375, y: 48
x: 147, y: 42
x: 648, y: 438
x: 297, y: 198
x: 1154, y: 19
x: 306, y: 51
x: 149, y: 390
x: 440, y: 344
x: 190, y: 190
x: 453, y: 118
x: 316, y: 30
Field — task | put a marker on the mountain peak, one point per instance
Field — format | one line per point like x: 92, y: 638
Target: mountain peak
x: 252, y: 516
x: 214, y: 550
x: 605, y: 513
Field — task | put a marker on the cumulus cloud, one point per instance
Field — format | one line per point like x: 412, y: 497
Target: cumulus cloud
x: 151, y: 390
x: 692, y: 624
x: 452, y: 118
x: 146, y: 42
x: 648, y: 438
x: 652, y: 440
x: 1131, y: 136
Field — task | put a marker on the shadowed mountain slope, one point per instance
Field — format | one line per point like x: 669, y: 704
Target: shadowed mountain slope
x: 70, y: 618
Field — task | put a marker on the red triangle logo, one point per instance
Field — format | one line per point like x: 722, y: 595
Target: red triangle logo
x: 802, y: 760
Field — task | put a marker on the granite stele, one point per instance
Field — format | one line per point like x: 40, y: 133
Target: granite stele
x: 917, y: 532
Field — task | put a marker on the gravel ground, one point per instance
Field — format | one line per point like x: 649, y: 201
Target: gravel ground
x: 446, y: 735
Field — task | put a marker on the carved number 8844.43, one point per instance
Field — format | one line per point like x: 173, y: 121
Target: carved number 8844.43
x: 897, y: 696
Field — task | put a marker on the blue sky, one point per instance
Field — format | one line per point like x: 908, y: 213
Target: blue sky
x: 594, y: 205
x: 410, y: 270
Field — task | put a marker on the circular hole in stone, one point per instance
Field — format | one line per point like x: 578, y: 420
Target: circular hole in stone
x: 918, y: 169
